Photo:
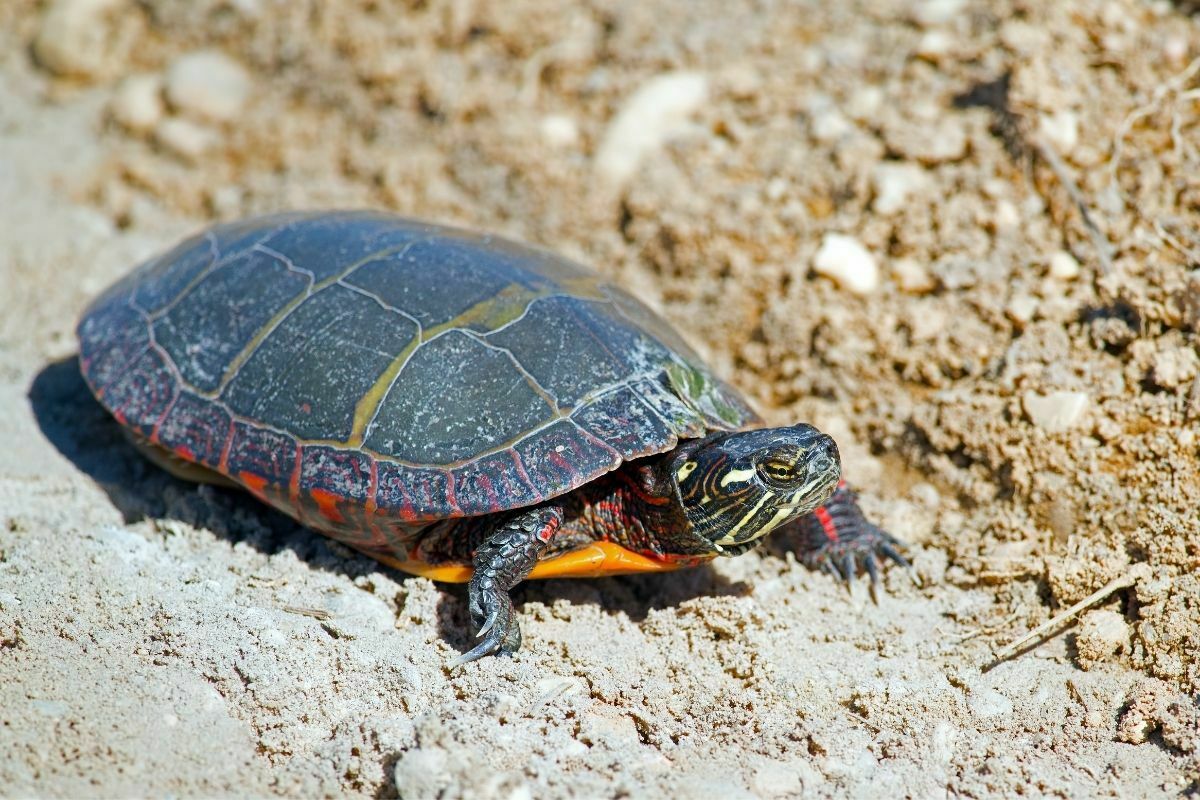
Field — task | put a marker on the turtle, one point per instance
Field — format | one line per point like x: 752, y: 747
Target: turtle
x: 455, y: 405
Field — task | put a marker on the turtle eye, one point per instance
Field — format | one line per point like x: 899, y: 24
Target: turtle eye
x: 777, y: 473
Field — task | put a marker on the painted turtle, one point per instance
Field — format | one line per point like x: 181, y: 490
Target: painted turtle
x: 456, y: 406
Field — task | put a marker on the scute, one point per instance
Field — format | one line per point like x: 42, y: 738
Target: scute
x: 443, y: 373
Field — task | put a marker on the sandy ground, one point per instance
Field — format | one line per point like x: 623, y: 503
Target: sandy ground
x: 1017, y: 395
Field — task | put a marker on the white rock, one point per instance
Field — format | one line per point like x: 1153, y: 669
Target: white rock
x: 777, y: 779
x: 1061, y: 130
x: 848, y: 263
x: 209, y: 85
x: 74, y: 38
x: 422, y: 772
x: 928, y: 139
x: 137, y: 104
x: 988, y: 702
x: 865, y: 102
x: 1021, y: 307
x: 912, y: 277
x: 1102, y: 634
x: 1172, y: 367
x: 657, y: 111
x: 186, y: 138
x: 947, y: 142
x: 1008, y: 217
x: 928, y: 13
x: 1057, y: 411
x: 829, y: 125
x: 1175, y: 50
x: 894, y: 183
x: 1063, y: 266
x: 934, y: 45
x: 560, y: 131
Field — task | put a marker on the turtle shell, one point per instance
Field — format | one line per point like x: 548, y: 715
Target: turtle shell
x: 373, y: 365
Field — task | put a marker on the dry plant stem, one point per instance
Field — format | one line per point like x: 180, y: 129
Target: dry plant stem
x: 1123, y: 582
x: 1055, y: 162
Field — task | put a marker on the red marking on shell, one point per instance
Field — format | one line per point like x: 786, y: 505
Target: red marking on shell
x: 827, y: 523
x: 490, y: 491
x: 255, y: 483
x: 223, y: 464
x: 185, y: 452
x: 451, y: 500
x: 371, y: 506
x: 560, y: 462
x: 327, y: 504
x: 294, y: 481
x: 519, y: 466
x: 161, y: 417
x: 407, y: 512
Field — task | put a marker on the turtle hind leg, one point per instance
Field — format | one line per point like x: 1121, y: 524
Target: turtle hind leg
x: 502, y: 561
x: 839, y: 540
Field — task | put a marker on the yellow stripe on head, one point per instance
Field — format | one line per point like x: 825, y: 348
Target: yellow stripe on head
x: 736, y: 476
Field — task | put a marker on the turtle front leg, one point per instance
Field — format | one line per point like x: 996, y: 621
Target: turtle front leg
x: 839, y: 540
x: 502, y: 561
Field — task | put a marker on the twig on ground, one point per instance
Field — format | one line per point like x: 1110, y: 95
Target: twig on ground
x: 1116, y: 584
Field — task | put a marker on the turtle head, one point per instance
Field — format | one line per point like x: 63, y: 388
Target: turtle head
x: 737, y: 487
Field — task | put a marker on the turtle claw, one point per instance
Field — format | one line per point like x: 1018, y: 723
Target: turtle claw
x: 842, y: 543
x: 848, y: 568
x: 499, y: 637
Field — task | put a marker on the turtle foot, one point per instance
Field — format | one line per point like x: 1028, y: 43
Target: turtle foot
x: 838, y: 540
x: 496, y: 622
x: 501, y: 562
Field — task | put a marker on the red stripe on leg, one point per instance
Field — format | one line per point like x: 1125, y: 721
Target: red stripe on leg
x: 827, y: 525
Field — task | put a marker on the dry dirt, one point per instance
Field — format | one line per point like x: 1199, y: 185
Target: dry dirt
x: 1018, y: 398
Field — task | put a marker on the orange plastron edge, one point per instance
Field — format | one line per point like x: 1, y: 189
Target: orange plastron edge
x: 594, y: 561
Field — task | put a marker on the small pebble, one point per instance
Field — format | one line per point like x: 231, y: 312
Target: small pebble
x: 137, y: 104
x: 936, y: 12
x: 1061, y: 130
x: 1063, y: 266
x: 185, y: 138
x: 912, y: 277
x: 422, y: 772
x: 1021, y: 308
x: 865, y: 103
x: 657, y: 111
x: 848, y: 263
x: 74, y: 38
x: 829, y: 125
x: 1007, y: 218
x: 1102, y: 635
x: 208, y: 85
x: 894, y: 184
x: 1057, y: 411
x: 777, y: 779
x: 987, y: 703
x: 934, y: 45
x: 1175, y: 50
x: 1174, y: 367
x: 560, y: 131
x: 930, y: 141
